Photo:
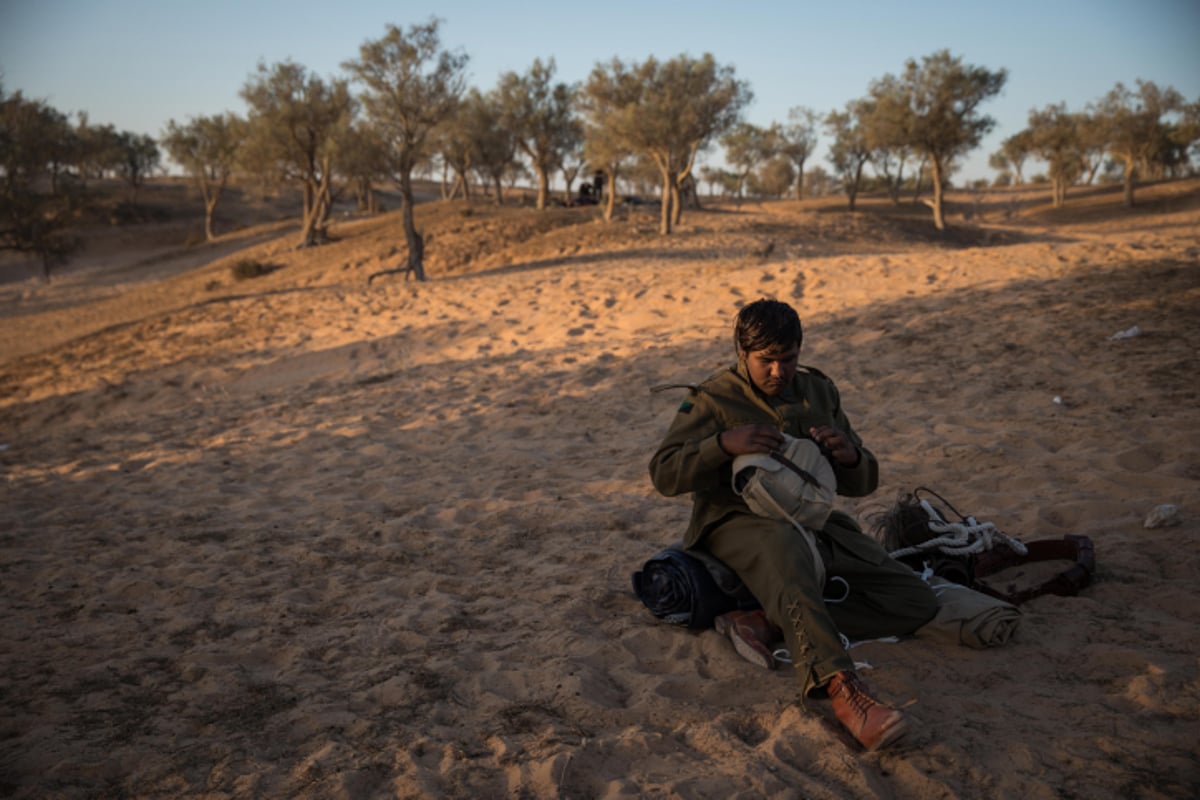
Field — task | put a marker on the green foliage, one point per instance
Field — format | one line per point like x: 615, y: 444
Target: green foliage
x: 850, y: 150
x: 933, y: 107
x: 295, y: 124
x: 35, y: 143
x: 1138, y: 127
x: 540, y: 113
x: 774, y: 177
x: 1054, y: 136
x: 411, y: 86
x: 666, y: 112
x: 746, y: 147
x: 798, y: 140
x: 207, y: 148
x: 139, y: 157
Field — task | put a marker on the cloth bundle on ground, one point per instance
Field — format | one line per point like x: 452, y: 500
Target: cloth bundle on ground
x: 690, y: 587
x: 966, y: 551
x: 968, y: 617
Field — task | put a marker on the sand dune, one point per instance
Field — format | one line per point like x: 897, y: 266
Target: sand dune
x: 301, y: 537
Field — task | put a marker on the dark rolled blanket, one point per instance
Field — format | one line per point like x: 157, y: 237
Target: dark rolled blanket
x: 689, y: 587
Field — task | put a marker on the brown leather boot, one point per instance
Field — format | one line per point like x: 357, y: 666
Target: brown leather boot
x: 873, y: 724
x: 752, y: 635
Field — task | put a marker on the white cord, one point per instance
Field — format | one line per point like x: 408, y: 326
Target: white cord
x: 960, y: 538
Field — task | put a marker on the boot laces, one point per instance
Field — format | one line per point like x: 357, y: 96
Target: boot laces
x: 857, y: 698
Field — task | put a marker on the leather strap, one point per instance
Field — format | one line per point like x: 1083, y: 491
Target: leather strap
x: 804, y: 474
x: 1068, y: 583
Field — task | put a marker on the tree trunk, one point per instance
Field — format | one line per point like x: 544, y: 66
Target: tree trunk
x: 800, y: 178
x: 499, y: 196
x: 894, y: 188
x: 920, y: 179
x: 610, y: 197
x: 211, y: 195
x: 939, y: 220
x: 360, y: 195
x: 664, y: 224
x: 1059, y: 183
x: 312, y: 203
x: 318, y: 198
x: 1130, y: 168
x: 209, y: 206
x: 416, y: 244
x: 543, y: 186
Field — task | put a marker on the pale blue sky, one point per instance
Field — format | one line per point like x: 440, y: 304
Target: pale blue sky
x: 138, y: 63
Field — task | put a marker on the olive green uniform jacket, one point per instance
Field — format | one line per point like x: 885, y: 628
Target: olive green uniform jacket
x: 770, y: 556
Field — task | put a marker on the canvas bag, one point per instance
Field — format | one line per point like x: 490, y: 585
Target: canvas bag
x: 795, y: 483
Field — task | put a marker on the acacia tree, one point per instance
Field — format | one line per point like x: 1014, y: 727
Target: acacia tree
x: 746, y: 147
x: 608, y: 93
x: 411, y: 86
x: 938, y: 101
x: 774, y: 177
x: 539, y: 113
x: 1133, y: 125
x: 456, y: 147
x: 139, y: 158
x: 1012, y: 155
x: 849, y: 151
x: 673, y: 109
x: 797, y: 140
x: 32, y: 219
x: 206, y: 147
x: 296, y: 120
x: 886, y: 121
x: 363, y: 159
x: 1189, y: 129
x: 1054, y: 137
x: 97, y: 149
x: 495, y: 145
x: 571, y: 159
x: 1091, y: 136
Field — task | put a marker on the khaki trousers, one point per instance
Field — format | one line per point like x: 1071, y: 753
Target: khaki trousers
x: 886, y: 598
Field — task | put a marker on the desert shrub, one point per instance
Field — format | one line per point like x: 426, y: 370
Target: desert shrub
x: 246, y: 268
x: 129, y: 213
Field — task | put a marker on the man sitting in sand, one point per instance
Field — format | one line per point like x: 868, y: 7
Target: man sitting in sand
x: 744, y: 409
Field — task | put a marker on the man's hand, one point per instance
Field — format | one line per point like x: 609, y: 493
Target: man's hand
x: 758, y: 438
x: 837, y: 443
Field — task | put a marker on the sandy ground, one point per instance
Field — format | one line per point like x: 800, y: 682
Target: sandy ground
x: 299, y: 536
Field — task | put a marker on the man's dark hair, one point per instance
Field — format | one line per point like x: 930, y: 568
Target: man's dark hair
x: 766, y: 323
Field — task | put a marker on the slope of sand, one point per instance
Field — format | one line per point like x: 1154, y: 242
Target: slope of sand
x: 301, y: 537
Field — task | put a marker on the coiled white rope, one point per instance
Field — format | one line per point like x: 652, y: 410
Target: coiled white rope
x: 960, y: 538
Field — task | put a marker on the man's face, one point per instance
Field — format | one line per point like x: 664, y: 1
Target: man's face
x: 773, y: 368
